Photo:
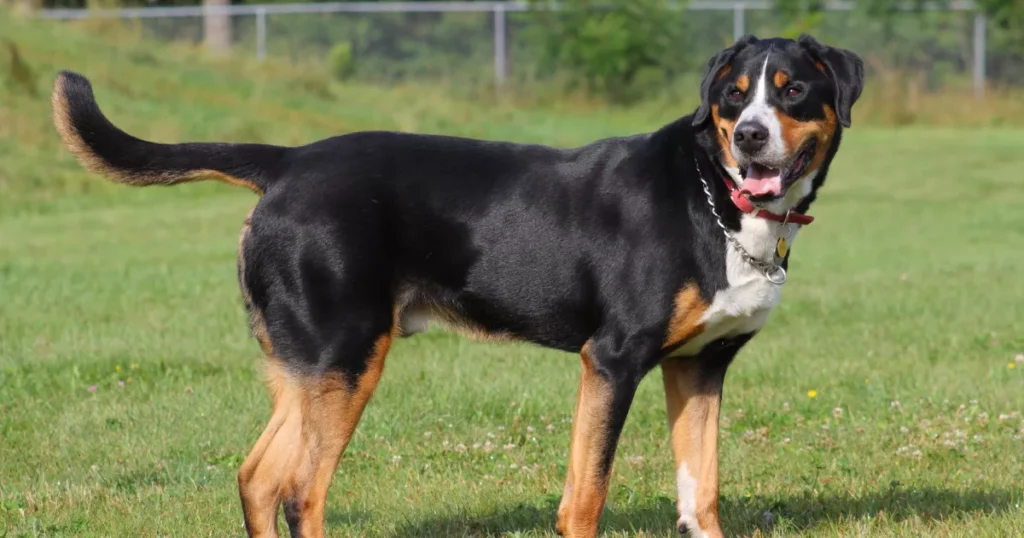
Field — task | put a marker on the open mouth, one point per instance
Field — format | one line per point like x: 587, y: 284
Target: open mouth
x: 764, y: 183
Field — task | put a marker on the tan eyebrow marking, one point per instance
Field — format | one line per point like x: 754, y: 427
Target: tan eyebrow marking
x: 780, y: 79
x: 743, y: 83
x: 723, y: 71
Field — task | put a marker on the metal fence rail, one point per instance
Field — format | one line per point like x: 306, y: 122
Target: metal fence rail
x: 500, y: 25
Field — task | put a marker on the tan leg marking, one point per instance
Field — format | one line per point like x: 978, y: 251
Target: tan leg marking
x: 693, y: 410
x: 587, y: 480
x: 563, y: 506
x: 331, y: 409
x: 261, y: 475
x: 685, y: 322
x: 297, y: 454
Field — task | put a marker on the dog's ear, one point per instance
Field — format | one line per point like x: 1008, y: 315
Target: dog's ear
x: 844, y: 68
x: 715, y: 66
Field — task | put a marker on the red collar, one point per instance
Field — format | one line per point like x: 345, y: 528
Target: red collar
x: 746, y: 206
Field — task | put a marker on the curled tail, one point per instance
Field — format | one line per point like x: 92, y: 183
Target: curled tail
x: 103, y: 148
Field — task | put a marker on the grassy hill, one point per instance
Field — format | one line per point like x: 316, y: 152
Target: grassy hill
x: 174, y: 93
x: 882, y: 399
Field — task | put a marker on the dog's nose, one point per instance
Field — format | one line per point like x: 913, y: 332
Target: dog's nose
x: 750, y: 136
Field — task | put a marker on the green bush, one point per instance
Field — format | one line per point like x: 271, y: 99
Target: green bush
x: 616, y: 49
x: 341, y: 61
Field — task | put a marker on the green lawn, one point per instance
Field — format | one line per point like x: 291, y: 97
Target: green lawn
x: 902, y: 317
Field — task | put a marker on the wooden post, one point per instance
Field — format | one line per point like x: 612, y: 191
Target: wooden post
x: 217, y: 26
x: 21, y: 7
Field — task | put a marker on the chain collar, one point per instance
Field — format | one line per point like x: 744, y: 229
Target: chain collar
x: 774, y: 272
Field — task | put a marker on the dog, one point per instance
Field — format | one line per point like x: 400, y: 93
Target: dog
x: 662, y: 249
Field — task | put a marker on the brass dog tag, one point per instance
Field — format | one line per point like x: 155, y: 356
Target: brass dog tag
x: 781, y: 248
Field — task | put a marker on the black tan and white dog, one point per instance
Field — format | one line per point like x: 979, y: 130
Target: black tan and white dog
x: 668, y: 248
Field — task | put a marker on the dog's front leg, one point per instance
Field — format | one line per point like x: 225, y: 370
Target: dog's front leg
x: 693, y: 395
x: 611, y: 372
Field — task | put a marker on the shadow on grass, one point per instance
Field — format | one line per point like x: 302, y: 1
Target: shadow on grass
x: 658, y: 517
x: 741, y: 517
x: 352, y: 518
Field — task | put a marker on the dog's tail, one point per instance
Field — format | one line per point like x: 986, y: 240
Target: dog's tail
x: 103, y: 148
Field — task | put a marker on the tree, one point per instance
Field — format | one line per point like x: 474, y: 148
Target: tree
x: 615, y: 47
x: 1007, y: 15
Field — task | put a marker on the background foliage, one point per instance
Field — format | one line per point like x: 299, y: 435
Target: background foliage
x: 624, y: 50
x: 614, y: 50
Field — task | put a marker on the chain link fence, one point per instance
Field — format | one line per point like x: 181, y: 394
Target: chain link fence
x: 492, y: 42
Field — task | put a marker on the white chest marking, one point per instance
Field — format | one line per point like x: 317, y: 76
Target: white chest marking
x: 743, y: 307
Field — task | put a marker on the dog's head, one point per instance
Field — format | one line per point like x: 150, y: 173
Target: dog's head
x: 776, y: 107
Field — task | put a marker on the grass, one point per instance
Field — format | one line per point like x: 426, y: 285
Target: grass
x: 902, y: 318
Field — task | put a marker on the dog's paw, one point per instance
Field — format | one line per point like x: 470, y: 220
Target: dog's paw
x: 689, y: 527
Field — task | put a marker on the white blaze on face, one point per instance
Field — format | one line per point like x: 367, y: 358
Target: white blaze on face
x: 760, y: 111
x: 687, y: 487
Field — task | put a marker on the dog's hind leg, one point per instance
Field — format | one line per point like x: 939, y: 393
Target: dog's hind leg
x: 331, y: 408
x: 321, y: 305
x: 295, y: 458
x: 262, y: 474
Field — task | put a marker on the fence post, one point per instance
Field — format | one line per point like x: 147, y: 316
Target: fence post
x: 261, y: 33
x: 980, y: 24
x: 217, y: 28
x: 739, y: 22
x: 500, y: 47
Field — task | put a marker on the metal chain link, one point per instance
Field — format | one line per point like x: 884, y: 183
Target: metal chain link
x: 774, y: 273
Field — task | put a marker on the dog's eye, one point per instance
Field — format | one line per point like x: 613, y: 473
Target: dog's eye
x: 793, y: 91
x: 735, y: 95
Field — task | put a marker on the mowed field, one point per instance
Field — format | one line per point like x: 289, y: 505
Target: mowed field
x: 884, y: 397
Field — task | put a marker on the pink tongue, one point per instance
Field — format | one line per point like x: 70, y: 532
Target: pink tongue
x: 761, y: 181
